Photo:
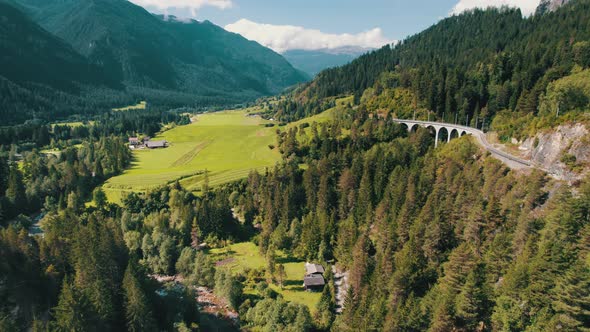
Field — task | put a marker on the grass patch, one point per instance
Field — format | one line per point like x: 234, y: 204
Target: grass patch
x: 74, y: 124
x: 140, y: 106
x: 227, y: 144
x: 326, y: 115
x: 247, y: 256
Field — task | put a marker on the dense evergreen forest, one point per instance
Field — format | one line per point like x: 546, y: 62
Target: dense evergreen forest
x: 432, y: 239
x: 471, y: 68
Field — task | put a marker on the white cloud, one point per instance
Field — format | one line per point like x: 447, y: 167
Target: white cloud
x: 288, y: 37
x: 193, y: 5
x: 526, y: 6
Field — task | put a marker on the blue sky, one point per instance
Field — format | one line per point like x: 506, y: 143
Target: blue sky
x: 397, y: 18
x: 314, y: 24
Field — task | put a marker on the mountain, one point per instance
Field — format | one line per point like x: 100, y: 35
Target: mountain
x: 314, y: 61
x: 38, y: 67
x: 141, y: 56
x: 481, y: 67
x: 31, y: 54
x: 151, y: 51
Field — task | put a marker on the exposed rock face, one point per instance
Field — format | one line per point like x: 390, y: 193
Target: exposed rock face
x: 549, y: 5
x: 549, y: 148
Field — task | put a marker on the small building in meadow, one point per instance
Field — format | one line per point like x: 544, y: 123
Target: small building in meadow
x: 133, y: 141
x: 156, y: 144
x: 311, y: 268
x: 314, y: 277
x: 314, y: 282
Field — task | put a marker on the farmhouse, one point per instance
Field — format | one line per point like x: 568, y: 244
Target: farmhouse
x: 311, y: 268
x: 156, y: 144
x: 133, y: 141
x: 314, y: 277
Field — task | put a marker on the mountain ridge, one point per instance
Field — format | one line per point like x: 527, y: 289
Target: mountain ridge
x: 314, y: 61
x: 147, y: 55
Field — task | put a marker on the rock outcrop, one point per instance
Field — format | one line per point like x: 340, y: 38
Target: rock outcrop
x: 565, y: 151
x: 549, y: 5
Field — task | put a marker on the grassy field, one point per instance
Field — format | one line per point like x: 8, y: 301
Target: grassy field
x: 325, y: 116
x: 73, y: 124
x: 247, y: 256
x: 227, y: 144
x: 140, y: 106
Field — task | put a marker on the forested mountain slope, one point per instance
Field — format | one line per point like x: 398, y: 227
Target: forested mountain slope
x: 156, y: 52
x: 31, y: 54
x: 314, y: 61
x: 470, y: 66
x: 39, y: 68
x: 106, y: 53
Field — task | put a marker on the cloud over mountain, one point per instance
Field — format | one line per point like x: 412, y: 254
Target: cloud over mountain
x: 288, y: 37
x: 193, y: 5
x: 526, y: 6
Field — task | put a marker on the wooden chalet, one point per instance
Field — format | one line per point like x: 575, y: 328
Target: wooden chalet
x: 156, y: 144
x: 314, y: 277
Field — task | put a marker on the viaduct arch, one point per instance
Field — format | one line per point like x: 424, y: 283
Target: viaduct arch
x: 455, y: 131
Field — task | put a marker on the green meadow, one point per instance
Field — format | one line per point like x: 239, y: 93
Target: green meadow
x: 227, y: 145
x: 140, y: 106
x: 327, y: 115
x: 247, y: 256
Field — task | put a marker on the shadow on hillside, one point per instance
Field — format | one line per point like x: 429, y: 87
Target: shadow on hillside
x: 210, y: 322
x: 286, y: 260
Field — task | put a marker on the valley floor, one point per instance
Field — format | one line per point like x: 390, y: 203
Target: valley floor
x: 216, y: 148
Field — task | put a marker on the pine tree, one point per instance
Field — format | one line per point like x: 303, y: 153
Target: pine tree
x: 195, y: 234
x: 271, y: 262
x: 137, y: 308
x: 324, y: 315
x: 281, y: 275
x: 572, y: 298
x: 73, y: 311
x: 469, y: 303
x: 15, y: 192
x: 99, y: 197
x: 303, y: 319
x: 204, y: 271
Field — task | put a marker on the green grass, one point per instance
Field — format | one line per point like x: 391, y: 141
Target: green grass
x: 325, y: 116
x: 73, y: 124
x: 247, y: 256
x: 227, y: 144
x: 140, y: 106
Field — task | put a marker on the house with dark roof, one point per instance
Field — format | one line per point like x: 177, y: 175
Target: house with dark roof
x: 314, y: 282
x: 156, y: 144
x: 311, y: 268
x: 133, y: 141
x: 314, y: 277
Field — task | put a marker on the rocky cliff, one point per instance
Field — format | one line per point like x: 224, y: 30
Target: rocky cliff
x: 549, y: 5
x: 565, y: 151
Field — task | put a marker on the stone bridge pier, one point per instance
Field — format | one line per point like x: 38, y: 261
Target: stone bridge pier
x: 439, y: 129
x: 454, y: 131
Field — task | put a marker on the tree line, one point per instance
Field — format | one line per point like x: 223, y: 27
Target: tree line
x: 465, y: 69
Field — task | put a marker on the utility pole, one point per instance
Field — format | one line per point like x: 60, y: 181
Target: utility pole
x: 467, y: 122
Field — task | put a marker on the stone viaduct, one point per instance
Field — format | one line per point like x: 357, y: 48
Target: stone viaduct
x: 455, y: 131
